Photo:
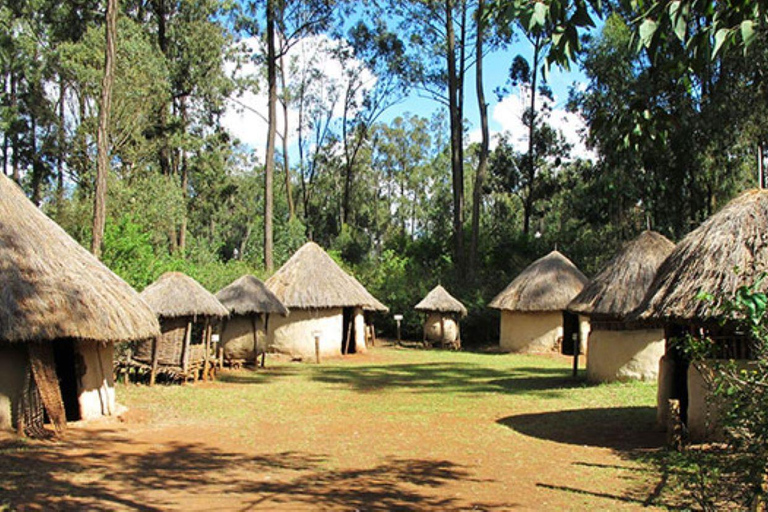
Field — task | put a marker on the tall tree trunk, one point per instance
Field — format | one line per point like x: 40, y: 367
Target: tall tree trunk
x: 163, y: 152
x: 269, y: 163
x: 528, y: 204
x: 37, y: 165
x: 15, y: 139
x: 457, y: 169
x: 102, y: 136
x: 477, y: 194
x: 61, y: 153
x: 286, y: 166
x: 184, y: 182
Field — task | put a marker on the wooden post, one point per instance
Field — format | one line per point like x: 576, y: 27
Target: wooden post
x: 255, y: 344
x: 576, y: 350
x: 349, y: 334
x: 458, y: 332
x: 185, y: 352
x: 207, y: 345
x: 317, y: 347
x: 155, y: 356
x: 442, y: 331
x: 265, y: 318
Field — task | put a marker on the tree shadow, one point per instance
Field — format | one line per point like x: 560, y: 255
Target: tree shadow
x: 105, y: 470
x: 449, y: 378
x: 260, y: 376
x: 620, y: 428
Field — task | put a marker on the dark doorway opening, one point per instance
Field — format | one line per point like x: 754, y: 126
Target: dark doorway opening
x: 680, y: 362
x: 571, y: 343
x: 64, y: 355
x: 348, y: 332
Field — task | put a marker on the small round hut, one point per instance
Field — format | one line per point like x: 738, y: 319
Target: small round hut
x: 186, y: 311
x: 619, y: 349
x: 250, y: 304
x: 533, y: 305
x: 324, y: 301
x: 61, y: 313
x: 734, y: 238
x: 441, y: 317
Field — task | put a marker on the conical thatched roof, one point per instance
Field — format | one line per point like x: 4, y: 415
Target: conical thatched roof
x: 441, y: 301
x: 51, y: 287
x: 705, y: 260
x: 248, y: 295
x: 175, y: 294
x: 310, y: 279
x: 622, y: 284
x: 548, y: 284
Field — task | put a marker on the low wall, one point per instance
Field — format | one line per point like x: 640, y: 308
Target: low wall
x: 293, y: 335
x: 624, y: 355
x: 237, y: 337
x: 14, y: 363
x: 535, y: 332
x: 447, y: 333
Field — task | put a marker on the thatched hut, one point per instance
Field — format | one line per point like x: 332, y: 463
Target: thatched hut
x: 441, y: 317
x: 186, y: 311
x: 617, y: 348
x: 324, y: 301
x: 533, y: 305
x: 705, y: 260
x: 250, y: 304
x: 61, y: 312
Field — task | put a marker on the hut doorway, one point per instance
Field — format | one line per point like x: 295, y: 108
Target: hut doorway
x: 64, y: 356
x: 679, y: 379
x: 348, y: 332
x: 571, y: 344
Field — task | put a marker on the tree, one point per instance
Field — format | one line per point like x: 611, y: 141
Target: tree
x: 105, y: 105
x: 269, y: 162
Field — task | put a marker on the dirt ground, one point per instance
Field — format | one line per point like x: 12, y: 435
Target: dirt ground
x: 481, y: 454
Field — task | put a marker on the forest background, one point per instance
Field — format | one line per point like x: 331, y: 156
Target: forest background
x: 674, y: 107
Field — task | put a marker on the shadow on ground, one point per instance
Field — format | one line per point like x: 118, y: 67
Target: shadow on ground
x: 620, y: 428
x: 104, y: 471
x: 449, y: 378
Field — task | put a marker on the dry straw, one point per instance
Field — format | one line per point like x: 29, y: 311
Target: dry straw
x: 175, y: 295
x: 310, y: 279
x: 248, y: 295
x: 439, y: 300
x: 548, y: 284
x: 51, y: 287
x: 728, y: 250
x: 622, y: 284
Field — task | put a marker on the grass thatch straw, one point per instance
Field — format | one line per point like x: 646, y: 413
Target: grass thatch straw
x: 621, y: 285
x: 51, y: 287
x: 548, y: 284
x: 728, y: 250
x: 439, y: 300
x: 175, y: 294
x: 310, y: 279
x: 248, y: 295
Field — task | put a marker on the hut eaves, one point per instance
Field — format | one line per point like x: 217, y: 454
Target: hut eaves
x: 52, y: 288
x: 439, y: 300
x: 547, y: 284
x: 622, y: 284
x: 310, y: 279
x: 175, y: 295
x: 248, y: 295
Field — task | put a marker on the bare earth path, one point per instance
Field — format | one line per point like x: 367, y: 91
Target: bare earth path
x: 392, y: 430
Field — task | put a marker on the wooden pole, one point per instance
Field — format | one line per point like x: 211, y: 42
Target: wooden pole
x: 442, y: 331
x: 349, y: 334
x: 265, y: 317
x: 255, y: 344
x: 576, y: 350
x: 155, y: 355
x: 458, y: 331
x: 317, y: 348
x: 424, y: 331
x: 207, y: 345
x: 185, y: 353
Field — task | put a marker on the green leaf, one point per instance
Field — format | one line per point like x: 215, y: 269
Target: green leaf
x: 647, y: 30
x: 539, y: 17
x: 720, y: 37
x: 747, y: 32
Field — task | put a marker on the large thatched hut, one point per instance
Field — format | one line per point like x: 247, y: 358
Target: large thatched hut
x: 186, y: 311
x: 324, y: 301
x: 533, y: 305
x: 705, y: 260
x: 61, y: 312
x: 441, y: 317
x: 250, y: 304
x: 619, y: 349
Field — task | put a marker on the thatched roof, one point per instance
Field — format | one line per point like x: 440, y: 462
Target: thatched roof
x: 548, y: 284
x: 705, y: 260
x: 175, y: 294
x: 622, y: 284
x: 310, y: 279
x: 441, y: 301
x: 51, y: 287
x: 248, y: 295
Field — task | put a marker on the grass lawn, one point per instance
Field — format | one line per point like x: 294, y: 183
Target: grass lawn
x: 395, y: 429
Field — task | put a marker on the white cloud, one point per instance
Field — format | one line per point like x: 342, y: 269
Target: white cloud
x: 508, y: 114
x: 312, y: 60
